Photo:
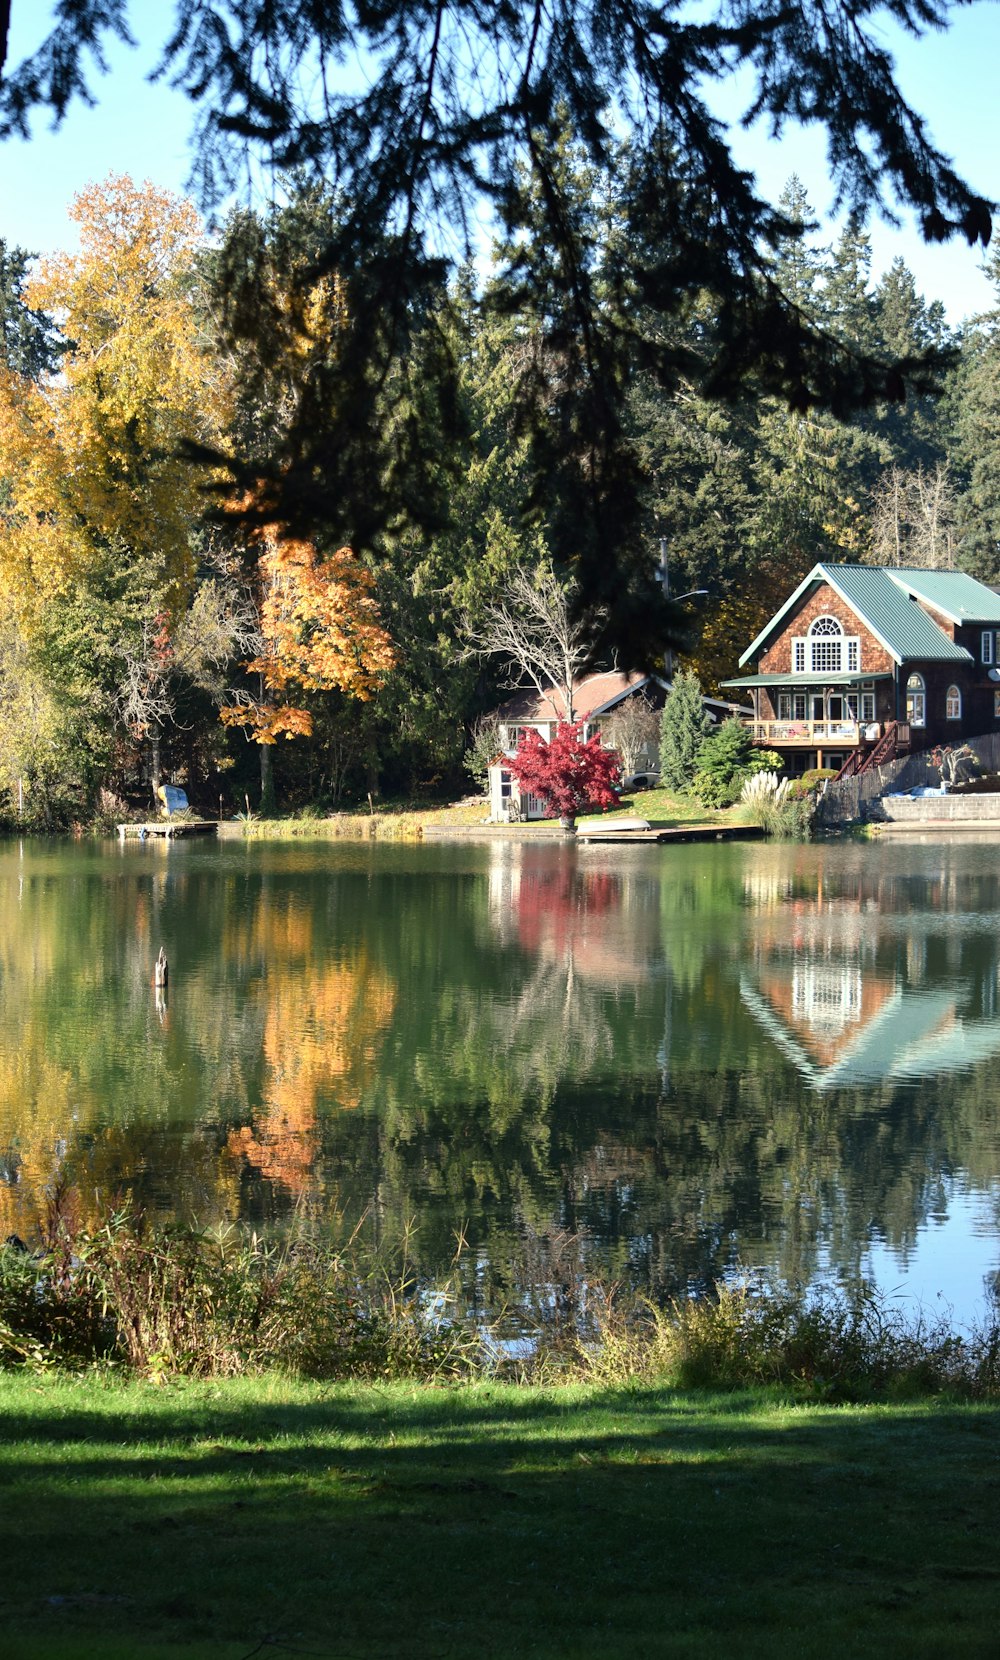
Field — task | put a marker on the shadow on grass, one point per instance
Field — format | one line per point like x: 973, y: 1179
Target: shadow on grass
x: 421, y: 1523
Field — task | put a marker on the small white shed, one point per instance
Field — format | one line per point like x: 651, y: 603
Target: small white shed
x: 508, y: 803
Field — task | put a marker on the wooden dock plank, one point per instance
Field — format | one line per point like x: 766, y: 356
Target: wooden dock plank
x: 168, y: 828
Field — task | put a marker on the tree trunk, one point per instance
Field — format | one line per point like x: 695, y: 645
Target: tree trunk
x: 154, y: 765
x: 266, y: 781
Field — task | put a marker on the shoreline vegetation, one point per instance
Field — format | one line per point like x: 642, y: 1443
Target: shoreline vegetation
x: 157, y: 1301
x: 215, y: 1448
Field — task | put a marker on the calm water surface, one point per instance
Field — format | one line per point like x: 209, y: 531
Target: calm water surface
x: 669, y: 1063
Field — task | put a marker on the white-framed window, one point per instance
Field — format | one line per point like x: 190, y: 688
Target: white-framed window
x: 506, y: 785
x: 867, y: 707
x: 953, y: 704
x: 916, y: 700
x: 986, y: 645
x: 826, y: 645
x: 826, y: 649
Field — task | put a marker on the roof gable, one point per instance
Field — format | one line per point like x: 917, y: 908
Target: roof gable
x: 885, y: 606
x: 957, y: 596
x: 595, y: 694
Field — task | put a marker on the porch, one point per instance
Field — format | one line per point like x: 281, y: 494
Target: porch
x: 813, y: 734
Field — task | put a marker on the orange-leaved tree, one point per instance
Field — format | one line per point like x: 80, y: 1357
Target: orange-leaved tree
x: 319, y: 631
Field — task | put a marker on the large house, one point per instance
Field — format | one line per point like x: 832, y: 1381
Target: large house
x: 596, y: 699
x: 862, y: 664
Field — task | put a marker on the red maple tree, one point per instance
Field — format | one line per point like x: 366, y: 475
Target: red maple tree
x: 567, y: 773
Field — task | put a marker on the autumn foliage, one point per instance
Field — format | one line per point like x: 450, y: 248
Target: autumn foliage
x: 320, y: 632
x: 567, y: 773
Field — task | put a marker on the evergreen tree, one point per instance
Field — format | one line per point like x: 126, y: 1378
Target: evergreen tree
x: 457, y: 109
x: 29, y: 341
x: 976, y: 447
x: 683, y: 731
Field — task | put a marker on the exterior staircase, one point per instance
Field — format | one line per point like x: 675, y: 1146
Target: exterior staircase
x: 894, y: 741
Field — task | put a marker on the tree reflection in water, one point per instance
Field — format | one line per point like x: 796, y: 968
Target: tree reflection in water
x: 680, y: 1060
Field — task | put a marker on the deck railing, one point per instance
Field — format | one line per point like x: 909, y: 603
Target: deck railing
x: 843, y: 733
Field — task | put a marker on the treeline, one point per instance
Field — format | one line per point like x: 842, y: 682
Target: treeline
x: 158, y: 619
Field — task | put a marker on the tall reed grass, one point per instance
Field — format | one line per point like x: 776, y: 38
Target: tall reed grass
x: 159, y: 1301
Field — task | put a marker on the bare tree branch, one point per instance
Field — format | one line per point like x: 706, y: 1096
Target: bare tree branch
x: 534, y: 628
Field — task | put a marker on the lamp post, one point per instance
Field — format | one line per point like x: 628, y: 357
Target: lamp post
x: 692, y: 593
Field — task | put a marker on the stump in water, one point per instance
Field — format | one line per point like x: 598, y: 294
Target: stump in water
x: 161, y: 972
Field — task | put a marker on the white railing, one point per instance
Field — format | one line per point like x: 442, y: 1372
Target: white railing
x: 842, y: 732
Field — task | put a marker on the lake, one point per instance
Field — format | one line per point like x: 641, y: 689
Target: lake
x: 666, y: 1064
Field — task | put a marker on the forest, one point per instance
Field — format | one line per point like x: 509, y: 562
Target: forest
x: 161, y: 618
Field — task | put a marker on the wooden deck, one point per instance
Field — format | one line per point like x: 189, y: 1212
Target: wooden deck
x: 170, y: 828
x: 680, y: 833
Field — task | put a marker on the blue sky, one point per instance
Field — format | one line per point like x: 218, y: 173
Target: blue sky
x: 143, y: 130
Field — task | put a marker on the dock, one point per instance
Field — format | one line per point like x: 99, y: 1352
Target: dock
x: 680, y: 833
x: 169, y: 828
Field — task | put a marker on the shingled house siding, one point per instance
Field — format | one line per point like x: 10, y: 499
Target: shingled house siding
x: 824, y: 602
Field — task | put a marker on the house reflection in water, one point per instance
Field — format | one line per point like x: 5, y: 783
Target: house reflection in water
x: 843, y: 987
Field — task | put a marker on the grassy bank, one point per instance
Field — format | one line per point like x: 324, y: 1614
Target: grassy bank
x: 247, y: 1517
x: 409, y: 821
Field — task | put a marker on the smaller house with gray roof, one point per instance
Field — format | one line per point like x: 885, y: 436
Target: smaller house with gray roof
x: 862, y: 664
x: 597, y: 698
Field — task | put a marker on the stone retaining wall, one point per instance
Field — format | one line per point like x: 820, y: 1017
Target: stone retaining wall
x: 901, y: 809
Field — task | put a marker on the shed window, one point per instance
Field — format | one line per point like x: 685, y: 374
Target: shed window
x: 953, y: 704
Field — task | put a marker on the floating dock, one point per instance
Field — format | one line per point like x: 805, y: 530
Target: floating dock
x: 680, y: 833
x: 169, y: 828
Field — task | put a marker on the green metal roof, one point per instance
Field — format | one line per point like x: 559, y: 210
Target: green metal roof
x: 804, y: 681
x: 895, y: 619
x: 956, y: 595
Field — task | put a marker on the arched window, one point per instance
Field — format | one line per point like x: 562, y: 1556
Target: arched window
x: 953, y: 704
x: 916, y: 700
x: 826, y: 649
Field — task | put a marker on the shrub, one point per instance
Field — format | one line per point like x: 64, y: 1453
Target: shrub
x: 483, y: 748
x: 726, y: 760
x: 164, y: 1301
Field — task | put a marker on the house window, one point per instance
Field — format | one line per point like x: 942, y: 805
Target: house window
x: 986, y: 645
x: 505, y: 786
x: 784, y: 706
x: 867, y: 706
x: 826, y: 645
x: 799, y: 706
x: 953, y: 704
x: 916, y: 701
x: 830, y: 651
x: 798, y: 656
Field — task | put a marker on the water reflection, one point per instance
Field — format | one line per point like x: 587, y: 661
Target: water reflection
x: 664, y: 1062
x: 877, y: 980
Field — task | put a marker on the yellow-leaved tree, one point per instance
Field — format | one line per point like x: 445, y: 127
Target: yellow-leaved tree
x: 96, y: 532
x: 319, y: 632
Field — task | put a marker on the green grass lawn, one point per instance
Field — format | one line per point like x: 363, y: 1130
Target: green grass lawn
x: 270, y: 1517
x: 402, y: 821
